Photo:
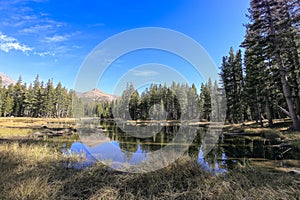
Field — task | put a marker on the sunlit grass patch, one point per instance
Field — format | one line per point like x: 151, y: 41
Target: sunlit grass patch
x: 30, y: 122
x: 14, y: 132
x: 264, y: 132
x: 31, y: 171
x: 292, y: 135
x: 35, y: 169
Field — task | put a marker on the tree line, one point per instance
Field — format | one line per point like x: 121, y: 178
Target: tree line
x: 50, y: 101
x: 160, y: 102
x: 266, y: 82
x: 263, y: 81
x: 36, y: 100
x: 174, y: 102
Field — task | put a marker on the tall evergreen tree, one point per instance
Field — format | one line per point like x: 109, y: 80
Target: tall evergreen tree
x: 232, y: 78
x: 19, y: 97
x: 271, y: 20
x: 49, y: 98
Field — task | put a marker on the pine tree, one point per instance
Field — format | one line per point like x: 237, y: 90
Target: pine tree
x: 134, y: 105
x: 49, y: 97
x: 271, y: 20
x: 19, y: 97
x: 8, y: 101
x: 29, y: 101
x: 232, y: 79
x: 36, y: 98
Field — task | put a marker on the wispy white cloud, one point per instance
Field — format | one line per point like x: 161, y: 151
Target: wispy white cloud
x: 19, y: 18
x: 44, y: 35
x: 37, y: 28
x: 9, y: 3
x: 43, y: 54
x: 57, y: 38
x: 17, y: 14
x: 62, y: 49
x: 5, y: 38
x: 60, y: 38
x: 8, y: 43
x: 144, y: 73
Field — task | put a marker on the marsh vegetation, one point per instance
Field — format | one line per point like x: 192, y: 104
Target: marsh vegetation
x: 35, y: 168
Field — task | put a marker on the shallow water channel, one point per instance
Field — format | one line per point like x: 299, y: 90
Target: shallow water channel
x: 216, y: 151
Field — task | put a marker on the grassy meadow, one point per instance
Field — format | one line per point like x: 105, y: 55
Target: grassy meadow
x: 36, y: 169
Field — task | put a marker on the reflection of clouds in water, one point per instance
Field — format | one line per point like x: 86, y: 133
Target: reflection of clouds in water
x: 111, y: 154
x: 123, y: 151
x: 107, y: 152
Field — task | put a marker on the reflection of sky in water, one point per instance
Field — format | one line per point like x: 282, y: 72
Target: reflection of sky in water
x: 108, y: 151
x: 205, y: 164
x: 228, y: 153
x: 111, y: 152
x: 78, y: 148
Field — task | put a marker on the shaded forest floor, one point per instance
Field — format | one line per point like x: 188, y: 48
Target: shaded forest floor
x: 37, y: 169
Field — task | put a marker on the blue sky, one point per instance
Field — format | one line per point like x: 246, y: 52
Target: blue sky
x: 52, y: 38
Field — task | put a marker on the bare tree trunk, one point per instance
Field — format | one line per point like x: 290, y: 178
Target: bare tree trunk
x: 282, y: 72
x: 259, y: 115
x: 295, y: 61
x: 283, y: 110
x: 288, y: 97
x: 269, y: 115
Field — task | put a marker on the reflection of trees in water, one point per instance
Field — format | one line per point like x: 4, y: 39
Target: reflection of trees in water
x: 225, y: 154
x: 214, y: 157
x: 241, y: 148
x: 237, y: 147
x: 159, y: 140
x: 130, y: 143
x: 129, y: 147
x: 194, y: 149
x: 231, y: 147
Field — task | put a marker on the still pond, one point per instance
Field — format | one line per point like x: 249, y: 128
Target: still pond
x: 106, y: 141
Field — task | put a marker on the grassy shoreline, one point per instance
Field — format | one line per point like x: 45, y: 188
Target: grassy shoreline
x: 27, y: 122
x: 35, y: 171
x: 281, y: 129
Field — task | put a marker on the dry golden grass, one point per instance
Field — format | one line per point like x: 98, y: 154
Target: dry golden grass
x: 21, y: 127
x: 34, y: 170
x: 14, y: 132
x: 31, y: 122
x: 292, y: 135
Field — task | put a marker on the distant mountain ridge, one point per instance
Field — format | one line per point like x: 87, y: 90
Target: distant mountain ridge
x: 6, y: 80
x: 96, y: 95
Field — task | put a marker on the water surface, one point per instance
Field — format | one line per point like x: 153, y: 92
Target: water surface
x: 108, y: 142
